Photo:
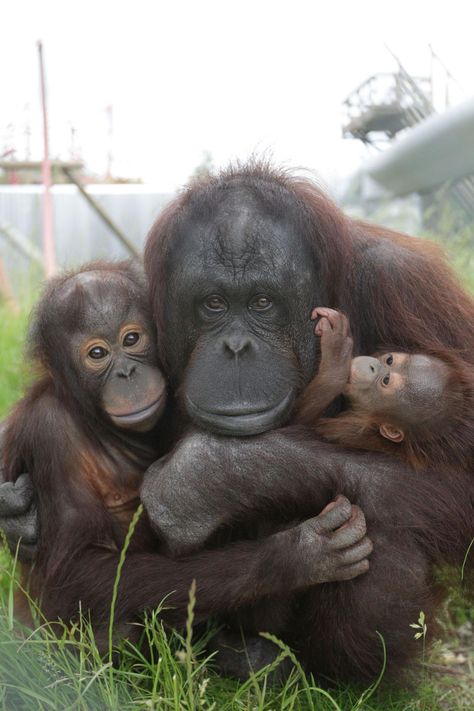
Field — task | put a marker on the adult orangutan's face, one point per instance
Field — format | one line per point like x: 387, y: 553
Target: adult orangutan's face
x: 240, y: 287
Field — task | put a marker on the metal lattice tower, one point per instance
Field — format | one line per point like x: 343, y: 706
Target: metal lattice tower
x: 386, y: 104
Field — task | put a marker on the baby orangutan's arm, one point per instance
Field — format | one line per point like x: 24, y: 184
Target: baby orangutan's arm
x: 333, y: 374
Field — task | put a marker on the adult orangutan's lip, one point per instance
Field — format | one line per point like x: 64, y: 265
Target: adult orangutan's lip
x: 231, y: 422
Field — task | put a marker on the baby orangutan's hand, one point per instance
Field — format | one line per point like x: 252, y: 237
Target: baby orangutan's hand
x: 336, y: 345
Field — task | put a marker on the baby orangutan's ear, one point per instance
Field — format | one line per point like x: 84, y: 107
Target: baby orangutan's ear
x: 395, y: 434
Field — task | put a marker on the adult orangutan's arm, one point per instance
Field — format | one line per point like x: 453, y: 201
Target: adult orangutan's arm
x: 210, y: 481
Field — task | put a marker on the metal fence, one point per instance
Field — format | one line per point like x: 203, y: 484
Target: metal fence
x: 80, y: 234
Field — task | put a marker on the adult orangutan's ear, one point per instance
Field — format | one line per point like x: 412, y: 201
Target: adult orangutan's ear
x: 394, y: 434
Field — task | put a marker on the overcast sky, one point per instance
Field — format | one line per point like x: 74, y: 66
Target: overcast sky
x: 230, y: 78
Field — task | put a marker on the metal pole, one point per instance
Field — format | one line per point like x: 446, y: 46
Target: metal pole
x: 49, y: 252
x: 21, y: 243
x: 110, y: 133
x: 121, y: 236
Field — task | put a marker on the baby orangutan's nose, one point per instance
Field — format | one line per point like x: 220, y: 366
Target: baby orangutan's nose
x: 364, y: 370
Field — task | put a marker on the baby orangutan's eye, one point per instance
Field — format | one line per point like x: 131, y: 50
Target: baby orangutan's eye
x: 131, y: 338
x: 97, y: 353
x: 386, y: 380
x: 389, y: 360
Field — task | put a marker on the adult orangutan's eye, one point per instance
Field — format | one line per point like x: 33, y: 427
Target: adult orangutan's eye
x: 386, y: 380
x: 215, y: 303
x: 98, y: 352
x: 130, y: 339
x: 389, y: 360
x: 260, y: 303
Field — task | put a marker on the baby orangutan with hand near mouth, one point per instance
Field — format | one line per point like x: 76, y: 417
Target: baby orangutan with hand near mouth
x: 419, y: 406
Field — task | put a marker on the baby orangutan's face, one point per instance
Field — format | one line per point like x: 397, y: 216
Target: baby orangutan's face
x: 400, y: 390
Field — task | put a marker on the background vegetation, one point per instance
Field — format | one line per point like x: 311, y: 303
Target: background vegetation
x: 62, y: 669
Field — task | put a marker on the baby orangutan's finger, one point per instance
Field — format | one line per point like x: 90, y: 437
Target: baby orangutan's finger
x: 323, y: 311
x: 338, y: 321
x: 322, y: 326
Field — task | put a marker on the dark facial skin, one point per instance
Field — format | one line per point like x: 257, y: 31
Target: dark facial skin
x: 399, y: 388
x: 112, y: 352
x: 242, y: 289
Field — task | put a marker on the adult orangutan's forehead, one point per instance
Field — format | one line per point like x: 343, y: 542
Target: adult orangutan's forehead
x: 239, y: 237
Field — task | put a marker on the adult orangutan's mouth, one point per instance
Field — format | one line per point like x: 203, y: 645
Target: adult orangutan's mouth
x: 240, y: 422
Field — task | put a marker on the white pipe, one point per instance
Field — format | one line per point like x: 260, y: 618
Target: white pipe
x: 439, y: 149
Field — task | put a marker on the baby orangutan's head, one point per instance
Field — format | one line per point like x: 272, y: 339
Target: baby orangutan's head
x: 401, y: 391
x: 418, y: 406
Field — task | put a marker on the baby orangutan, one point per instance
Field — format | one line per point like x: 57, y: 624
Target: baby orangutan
x: 85, y: 431
x: 417, y: 406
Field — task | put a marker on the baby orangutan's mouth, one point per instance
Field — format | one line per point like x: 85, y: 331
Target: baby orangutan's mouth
x: 145, y: 416
x: 138, y: 416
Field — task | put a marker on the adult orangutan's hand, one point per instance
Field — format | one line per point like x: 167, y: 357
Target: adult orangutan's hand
x: 18, y: 518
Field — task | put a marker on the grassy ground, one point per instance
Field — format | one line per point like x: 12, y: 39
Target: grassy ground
x: 47, y: 670
x: 12, y: 367
x: 62, y: 669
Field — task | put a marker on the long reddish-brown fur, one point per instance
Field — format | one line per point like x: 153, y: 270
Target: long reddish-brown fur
x: 77, y: 461
x: 409, y: 293
x: 396, y: 291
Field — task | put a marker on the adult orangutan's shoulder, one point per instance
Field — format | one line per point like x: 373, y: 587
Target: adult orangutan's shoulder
x: 383, y: 248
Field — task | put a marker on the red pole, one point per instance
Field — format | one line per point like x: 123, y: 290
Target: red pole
x: 49, y: 252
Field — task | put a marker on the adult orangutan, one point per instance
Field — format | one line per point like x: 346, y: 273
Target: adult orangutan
x: 236, y: 264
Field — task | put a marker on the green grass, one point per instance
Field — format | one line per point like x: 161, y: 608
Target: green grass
x: 13, y: 372
x: 54, y: 667
x: 61, y: 669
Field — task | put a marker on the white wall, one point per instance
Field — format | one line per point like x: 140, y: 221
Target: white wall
x: 80, y: 234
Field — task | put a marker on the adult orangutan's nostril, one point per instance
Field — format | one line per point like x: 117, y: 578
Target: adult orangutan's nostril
x: 236, y: 345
